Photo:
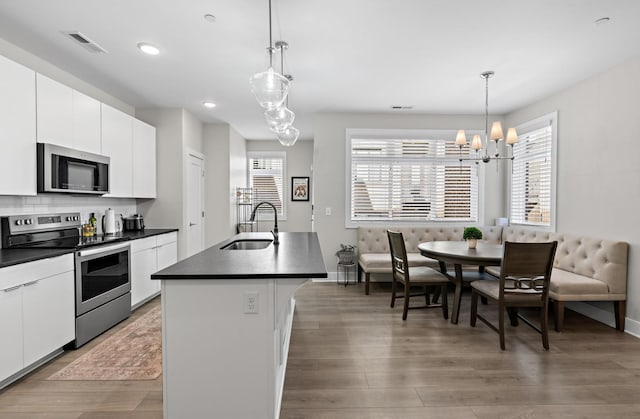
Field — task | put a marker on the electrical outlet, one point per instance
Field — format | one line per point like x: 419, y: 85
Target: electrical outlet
x: 250, y: 303
x: 327, y: 211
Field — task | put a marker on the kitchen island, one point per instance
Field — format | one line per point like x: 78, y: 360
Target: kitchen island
x: 226, y: 323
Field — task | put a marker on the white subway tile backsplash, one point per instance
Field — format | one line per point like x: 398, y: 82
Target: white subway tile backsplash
x: 40, y: 204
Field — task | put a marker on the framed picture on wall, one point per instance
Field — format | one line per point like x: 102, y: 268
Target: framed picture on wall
x: 299, y: 188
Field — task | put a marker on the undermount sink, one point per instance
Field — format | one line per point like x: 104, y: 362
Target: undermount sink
x: 247, y: 244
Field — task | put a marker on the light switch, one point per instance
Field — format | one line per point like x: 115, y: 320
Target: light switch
x: 327, y: 211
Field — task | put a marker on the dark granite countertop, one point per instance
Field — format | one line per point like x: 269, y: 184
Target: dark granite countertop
x: 297, y: 256
x: 10, y: 257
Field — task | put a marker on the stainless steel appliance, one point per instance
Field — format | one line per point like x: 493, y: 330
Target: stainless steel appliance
x: 103, y: 267
x: 62, y: 169
x: 134, y: 222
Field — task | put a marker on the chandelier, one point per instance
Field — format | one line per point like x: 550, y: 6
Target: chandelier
x: 271, y: 90
x: 495, y: 134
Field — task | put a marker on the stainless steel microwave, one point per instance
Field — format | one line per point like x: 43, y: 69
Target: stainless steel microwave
x: 62, y: 169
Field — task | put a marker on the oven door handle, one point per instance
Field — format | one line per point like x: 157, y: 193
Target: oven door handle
x: 102, y: 249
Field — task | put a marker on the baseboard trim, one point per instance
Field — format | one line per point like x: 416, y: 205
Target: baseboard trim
x: 631, y: 327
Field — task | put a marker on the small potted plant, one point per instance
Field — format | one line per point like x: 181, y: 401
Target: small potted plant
x: 472, y: 235
x: 346, y: 254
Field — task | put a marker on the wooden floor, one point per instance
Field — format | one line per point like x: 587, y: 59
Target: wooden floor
x: 34, y: 397
x: 352, y: 357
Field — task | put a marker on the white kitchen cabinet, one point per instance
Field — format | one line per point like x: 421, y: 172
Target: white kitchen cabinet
x: 117, y: 142
x: 49, y: 315
x: 11, y: 360
x: 144, y: 160
x: 67, y: 117
x: 17, y: 129
x: 148, y: 256
x: 86, y: 123
x: 37, y: 311
x: 55, y: 112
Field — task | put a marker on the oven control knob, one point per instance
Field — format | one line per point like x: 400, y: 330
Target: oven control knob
x: 69, y: 218
x: 76, y: 218
x: 28, y: 221
x: 18, y: 222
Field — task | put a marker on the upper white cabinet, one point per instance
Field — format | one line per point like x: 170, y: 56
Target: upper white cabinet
x: 117, y: 142
x: 86, y: 123
x: 67, y: 117
x: 55, y: 112
x: 144, y: 160
x: 17, y: 129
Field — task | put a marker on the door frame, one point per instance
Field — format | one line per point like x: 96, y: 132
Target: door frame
x: 189, y: 153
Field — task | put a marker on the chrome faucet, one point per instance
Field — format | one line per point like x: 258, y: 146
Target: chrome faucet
x: 275, y: 217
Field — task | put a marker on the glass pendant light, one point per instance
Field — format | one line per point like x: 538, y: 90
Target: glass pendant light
x: 289, y: 136
x: 269, y: 87
x: 279, y: 119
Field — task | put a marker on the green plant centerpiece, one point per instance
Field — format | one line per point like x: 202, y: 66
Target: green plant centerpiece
x: 472, y: 235
x: 346, y: 254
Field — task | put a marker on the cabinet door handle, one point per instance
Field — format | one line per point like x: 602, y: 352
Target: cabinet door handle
x: 28, y: 284
x: 12, y: 288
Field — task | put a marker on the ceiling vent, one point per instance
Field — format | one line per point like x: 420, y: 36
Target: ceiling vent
x: 85, y: 42
x: 401, y: 107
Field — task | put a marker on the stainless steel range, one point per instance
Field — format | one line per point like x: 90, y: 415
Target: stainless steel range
x: 103, y: 267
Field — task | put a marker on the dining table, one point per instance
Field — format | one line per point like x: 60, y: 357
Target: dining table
x: 458, y: 254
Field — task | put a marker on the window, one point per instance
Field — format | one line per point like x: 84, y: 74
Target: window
x: 534, y: 171
x: 266, y: 176
x: 409, y: 176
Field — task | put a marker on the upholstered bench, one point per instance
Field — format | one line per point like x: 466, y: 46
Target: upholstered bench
x: 373, y: 246
x: 584, y: 269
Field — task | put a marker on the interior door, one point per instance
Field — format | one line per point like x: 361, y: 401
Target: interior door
x: 195, y: 204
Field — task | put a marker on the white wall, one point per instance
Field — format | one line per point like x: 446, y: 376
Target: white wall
x: 299, y: 163
x: 329, y: 170
x: 165, y: 211
x: 217, y: 200
x: 225, y: 170
x: 237, y: 171
x: 598, y: 172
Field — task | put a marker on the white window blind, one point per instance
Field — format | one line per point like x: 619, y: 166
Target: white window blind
x: 266, y: 178
x: 532, y: 179
x: 411, y: 179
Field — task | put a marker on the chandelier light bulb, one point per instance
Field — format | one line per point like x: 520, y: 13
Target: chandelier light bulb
x: 476, y: 142
x: 461, y: 138
x: 512, y: 136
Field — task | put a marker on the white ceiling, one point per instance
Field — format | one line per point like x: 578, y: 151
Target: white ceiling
x: 345, y: 55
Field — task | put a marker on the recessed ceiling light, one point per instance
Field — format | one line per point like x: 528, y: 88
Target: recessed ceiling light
x: 602, y: 21
x: 148, y: 48
x: 208, y: 104
x: 209, y: 18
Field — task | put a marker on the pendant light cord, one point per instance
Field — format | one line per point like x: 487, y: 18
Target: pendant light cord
x: 270, y: 39
x: 486, y: 114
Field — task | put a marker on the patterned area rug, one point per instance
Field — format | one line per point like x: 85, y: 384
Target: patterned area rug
x: 133, y: 353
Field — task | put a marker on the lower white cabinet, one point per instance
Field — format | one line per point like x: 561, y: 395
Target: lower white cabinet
x: 148, y: 256
x: 37, y: 311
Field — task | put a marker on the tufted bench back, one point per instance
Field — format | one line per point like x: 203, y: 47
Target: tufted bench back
x: 374, y: 239
x: 603, y: 260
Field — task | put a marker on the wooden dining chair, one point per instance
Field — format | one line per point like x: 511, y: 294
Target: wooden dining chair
x: 422, y: 276
x: 524, y: 282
